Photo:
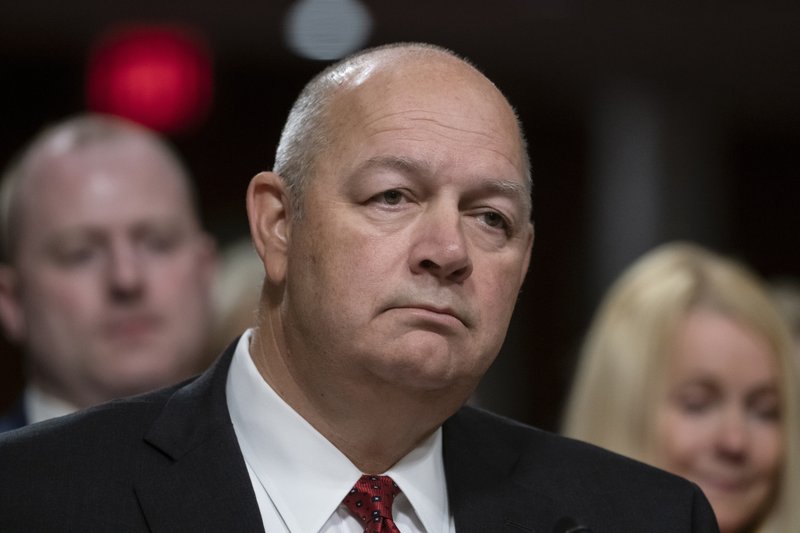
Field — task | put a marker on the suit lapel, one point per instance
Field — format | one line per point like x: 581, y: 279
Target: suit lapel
x: 482, y: 486
x: 195, y: 478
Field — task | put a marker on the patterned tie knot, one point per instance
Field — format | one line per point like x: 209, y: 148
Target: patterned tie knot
x: 370, y: 500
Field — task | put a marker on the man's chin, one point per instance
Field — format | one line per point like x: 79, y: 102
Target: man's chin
x: 426, y: 372
x: 136, y: 369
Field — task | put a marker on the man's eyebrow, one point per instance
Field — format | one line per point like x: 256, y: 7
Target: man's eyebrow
x: 73, y: 236
x: 404, y: 165
x: 512, y: 189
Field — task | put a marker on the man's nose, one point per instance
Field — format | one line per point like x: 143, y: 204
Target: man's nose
x: 440, y: 247
x: 125, y: 271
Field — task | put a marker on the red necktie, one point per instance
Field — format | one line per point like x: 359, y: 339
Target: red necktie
x: 370, y: 500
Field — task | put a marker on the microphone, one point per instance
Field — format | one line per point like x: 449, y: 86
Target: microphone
x: 568, y: 524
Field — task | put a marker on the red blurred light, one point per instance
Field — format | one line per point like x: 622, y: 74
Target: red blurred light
x: 159, y: 76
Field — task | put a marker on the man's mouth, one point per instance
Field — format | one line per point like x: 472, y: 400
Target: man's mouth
x: 131, y: 327
x: 444, y: 315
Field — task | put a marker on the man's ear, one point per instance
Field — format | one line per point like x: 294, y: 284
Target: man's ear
x: 269, y: 213
x: 12, y: 314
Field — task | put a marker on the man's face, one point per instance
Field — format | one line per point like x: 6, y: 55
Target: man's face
x: 113, y: 273
x: 415, y: 234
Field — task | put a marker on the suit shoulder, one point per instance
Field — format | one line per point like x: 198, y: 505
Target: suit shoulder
x: 558, y: 457
x: 553, y: 476
x: 14, y: 418
x: 85, y: 432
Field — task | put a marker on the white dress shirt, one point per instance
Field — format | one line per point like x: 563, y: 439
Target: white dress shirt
x: 300, y: 478
x: 40, y: 405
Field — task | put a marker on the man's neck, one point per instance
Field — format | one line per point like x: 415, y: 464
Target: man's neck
x: 373, y: 425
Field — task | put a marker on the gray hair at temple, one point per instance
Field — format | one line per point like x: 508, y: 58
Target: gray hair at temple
x: 306, y: 134
x: 69, y: 136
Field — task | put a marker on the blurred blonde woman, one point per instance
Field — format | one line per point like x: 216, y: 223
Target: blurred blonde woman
x: 688, y: 366
x: 786, y: 295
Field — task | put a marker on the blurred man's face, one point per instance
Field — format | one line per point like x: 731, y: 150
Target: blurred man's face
x: 113, y: 273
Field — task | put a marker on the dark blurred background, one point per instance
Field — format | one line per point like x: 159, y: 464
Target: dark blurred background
x: 647, y: 122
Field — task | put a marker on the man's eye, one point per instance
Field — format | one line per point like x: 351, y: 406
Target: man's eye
x: 495, y: 220
x: 72, y: 257
x: 390, y: 197
x: 161, y: 243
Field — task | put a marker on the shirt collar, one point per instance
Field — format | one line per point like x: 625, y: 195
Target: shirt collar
x: 297, y: 465
x: 40, y: 405
x: 420, y: 475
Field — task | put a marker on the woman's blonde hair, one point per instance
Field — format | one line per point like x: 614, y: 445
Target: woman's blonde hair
x: 621, y: 369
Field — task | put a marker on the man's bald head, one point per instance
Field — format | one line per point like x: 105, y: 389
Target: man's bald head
x: 312, y: 124
x: 43, y: 159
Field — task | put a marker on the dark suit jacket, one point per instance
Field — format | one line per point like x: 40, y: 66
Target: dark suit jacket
x: 169, y: 461
x: 15, y: 417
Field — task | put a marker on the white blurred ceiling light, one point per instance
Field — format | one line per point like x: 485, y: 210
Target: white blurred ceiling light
x: 327, y: 29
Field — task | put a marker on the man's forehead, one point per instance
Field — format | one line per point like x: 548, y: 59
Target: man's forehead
x: 408, y: 114
x: 427, y: 83
x: 53, y: 228
x: 100, y: 188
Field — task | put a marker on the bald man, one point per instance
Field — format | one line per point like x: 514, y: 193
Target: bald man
x: 106, y: 272
x: 395, y: 235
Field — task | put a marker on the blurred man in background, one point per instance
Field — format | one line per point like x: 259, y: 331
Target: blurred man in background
x: 106, y: 271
